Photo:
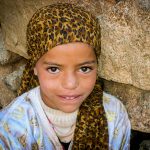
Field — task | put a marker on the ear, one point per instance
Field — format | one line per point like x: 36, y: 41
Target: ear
x: 35, y: 71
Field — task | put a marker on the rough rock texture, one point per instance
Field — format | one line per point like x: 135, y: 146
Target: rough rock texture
x: 137, y: 102
x: 144, y: 4
x: 5, y: 55
x: 125, y: 44
x: 6, y: 95
x: 125, y: 58
x: 10, y: 76
x: 13, y: 79
x: 8, y: 80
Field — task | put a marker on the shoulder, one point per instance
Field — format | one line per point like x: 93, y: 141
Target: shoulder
x: 112, y: 103
x: 116, y: 112
x: 118, y: 122
x: 114, y: 108
x: 18, y: 110
x: 20, y: 125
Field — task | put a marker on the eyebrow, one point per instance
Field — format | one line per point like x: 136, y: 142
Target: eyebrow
x: 87, y: 62
x: 80, y: 64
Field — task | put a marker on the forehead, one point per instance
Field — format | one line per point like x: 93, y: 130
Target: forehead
x: 76, y: 50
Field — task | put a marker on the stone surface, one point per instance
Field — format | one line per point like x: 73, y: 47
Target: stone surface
x: 125, y: 44
x: 137, y: 102
x: 5, y: 55
x: 13, y: 79
x: 113, y: 1
x: 9, y: 81
x: 144, y: 4
x: 6, y: 95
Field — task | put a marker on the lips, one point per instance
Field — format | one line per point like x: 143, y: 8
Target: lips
x: 69, y: 97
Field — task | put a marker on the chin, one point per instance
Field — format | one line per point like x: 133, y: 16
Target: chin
x: 69, y: 110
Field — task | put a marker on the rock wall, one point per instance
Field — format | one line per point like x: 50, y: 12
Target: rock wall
x: 124, y: 61
x: 126, y: 44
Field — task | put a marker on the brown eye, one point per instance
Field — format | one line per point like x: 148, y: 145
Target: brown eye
x: 85, y: 69
x: 53, y: 70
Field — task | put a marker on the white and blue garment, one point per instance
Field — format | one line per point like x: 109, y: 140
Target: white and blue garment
x: 24, y: 124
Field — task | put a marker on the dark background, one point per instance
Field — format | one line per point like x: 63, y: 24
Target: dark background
x: 137, y: 140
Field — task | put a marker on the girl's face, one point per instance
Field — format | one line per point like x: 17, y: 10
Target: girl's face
x: 67, y: 75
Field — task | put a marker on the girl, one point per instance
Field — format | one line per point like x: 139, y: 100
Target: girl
x: 63, y: 106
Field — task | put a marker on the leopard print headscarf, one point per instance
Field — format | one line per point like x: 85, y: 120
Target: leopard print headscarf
x: 60, y: 24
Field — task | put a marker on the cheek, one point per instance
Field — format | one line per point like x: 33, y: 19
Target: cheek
x: 89, y: 84
x: 48, y: 84
x: 44, y: 80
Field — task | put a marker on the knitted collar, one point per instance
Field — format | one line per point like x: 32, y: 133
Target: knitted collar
x: 63, y: 123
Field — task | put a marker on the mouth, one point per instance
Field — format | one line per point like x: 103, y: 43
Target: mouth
x: 70, y: 97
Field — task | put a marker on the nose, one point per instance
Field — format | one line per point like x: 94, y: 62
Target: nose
x: 70, y: 81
